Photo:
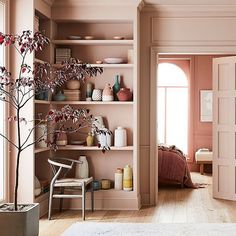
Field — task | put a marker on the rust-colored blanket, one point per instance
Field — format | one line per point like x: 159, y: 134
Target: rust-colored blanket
x: 172, y: 167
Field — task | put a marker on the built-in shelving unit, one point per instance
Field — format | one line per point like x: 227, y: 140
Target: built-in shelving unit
x: 115, y: 113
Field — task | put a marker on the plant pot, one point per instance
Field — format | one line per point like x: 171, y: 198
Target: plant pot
x: 20, y: 223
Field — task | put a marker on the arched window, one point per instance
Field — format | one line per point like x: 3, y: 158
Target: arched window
x: 172, y: 106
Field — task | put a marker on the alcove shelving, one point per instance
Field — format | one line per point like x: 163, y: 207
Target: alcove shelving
x: 115, y: 113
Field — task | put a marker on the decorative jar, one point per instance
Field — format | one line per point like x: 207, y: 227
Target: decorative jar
x: 62, y: 139
x: 41, y: 133
x: 73, y: 84
x: 128, y: 178
x: 120, y: 137
x: 97, y: 95
x: 116, y: 87
x: 107, y: 94
x: 82, y: 170
x: 89, y: 139
x: 124, y: 94
x: 118, y: 179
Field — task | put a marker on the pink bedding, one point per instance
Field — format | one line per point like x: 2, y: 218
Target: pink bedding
x: 172, y: 167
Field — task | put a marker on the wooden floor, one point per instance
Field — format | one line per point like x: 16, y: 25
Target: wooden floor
x: 175, y: 205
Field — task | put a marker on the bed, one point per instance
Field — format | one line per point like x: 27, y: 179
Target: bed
x: 172, y: 167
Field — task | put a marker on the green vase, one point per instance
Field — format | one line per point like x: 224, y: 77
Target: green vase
x: 116, y: 87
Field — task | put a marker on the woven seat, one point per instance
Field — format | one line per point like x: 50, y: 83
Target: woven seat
x: 71, y: 183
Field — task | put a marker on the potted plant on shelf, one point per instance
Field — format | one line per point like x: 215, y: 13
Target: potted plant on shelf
x: 23, y: 219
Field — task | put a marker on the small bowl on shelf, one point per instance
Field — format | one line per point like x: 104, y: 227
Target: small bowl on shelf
x: 88, y: 37
x: 118, y: 37
x: 74, y: 37
x: 98, y: 62
x: 77, y: 142
x: 114, y: 60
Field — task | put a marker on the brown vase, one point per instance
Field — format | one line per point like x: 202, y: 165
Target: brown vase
x: 62, y: 139
x: 124, y: 94
x: 73, y: 84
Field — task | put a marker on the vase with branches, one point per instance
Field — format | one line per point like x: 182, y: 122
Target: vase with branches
x: 17, y: 92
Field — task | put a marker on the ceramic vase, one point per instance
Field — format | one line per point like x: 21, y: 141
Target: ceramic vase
x: 59, y: 96
x: 62, y: 139
x: 41, y: 132
x: 97, y: 95
x: 107, y: 94
x: 105, y: 138
x: 89, y: 92
x: 124, y: 94
x: 120, y: 137
x: 82, y: 170
x: 89, y: 140
x: 73, y: 84
x: 116, y: 87
x: 128, y: 178
x: 118, y: 179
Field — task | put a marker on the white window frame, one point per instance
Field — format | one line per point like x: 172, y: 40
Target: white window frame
x: 5, y: 4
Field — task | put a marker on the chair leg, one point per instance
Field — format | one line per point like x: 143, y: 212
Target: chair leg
x: 61, y: 199
x: 50, y: 203
x: 92, y: 197
x: 83, y: 201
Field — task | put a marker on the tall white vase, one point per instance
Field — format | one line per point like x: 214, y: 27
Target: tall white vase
x: 120, y: 137
x: 82, y: 170
x: 41, y: 132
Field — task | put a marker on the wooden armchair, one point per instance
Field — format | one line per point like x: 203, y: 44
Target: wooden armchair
x: 58, y: 165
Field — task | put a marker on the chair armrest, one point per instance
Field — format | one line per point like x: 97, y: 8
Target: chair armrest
x: 68, y: 159
x: 52, y: 162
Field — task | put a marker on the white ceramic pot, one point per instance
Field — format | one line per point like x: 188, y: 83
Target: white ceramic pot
x: 82, y: 170
x: 120, y: 137
x: 106, y: 138
x: 97, y: 95
x: 41, y: 132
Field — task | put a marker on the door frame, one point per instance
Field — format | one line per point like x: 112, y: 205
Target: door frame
x: 176, y: 50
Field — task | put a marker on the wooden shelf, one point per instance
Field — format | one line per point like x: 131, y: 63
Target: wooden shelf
x: 90, y: 103
x: 38, y: 150
x: 94, y: 148
x: 42, y: 102
x: 93, y: 42
x: 103, y: 65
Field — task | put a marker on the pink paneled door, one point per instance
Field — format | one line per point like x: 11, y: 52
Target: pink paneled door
x: 224, y: 128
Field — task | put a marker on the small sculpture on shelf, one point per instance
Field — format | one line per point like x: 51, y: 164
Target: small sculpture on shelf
x: 107, y: 94
x: 89, y: 139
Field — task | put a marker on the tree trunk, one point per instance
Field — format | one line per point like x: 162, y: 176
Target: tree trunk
x: 17, y: 179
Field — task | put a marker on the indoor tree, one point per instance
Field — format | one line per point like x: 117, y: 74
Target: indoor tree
x: 18, y: 91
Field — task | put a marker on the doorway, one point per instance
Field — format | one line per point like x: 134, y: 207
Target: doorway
x: 156, y: 53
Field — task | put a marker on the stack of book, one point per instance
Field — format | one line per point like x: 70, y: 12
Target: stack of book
x: 62, y: 54
x: 72, y: 95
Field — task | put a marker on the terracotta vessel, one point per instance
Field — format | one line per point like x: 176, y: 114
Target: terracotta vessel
x: 124, y: 94
x: 73, y: 84
x: 62, y: 139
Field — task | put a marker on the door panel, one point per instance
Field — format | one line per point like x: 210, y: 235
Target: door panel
x: 224, y: 128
